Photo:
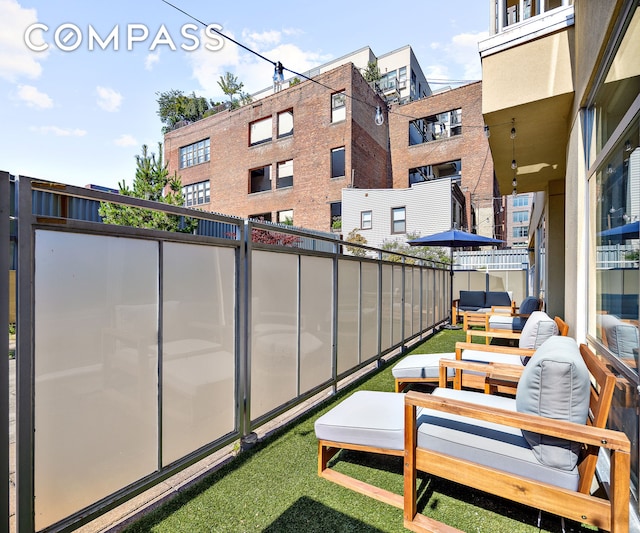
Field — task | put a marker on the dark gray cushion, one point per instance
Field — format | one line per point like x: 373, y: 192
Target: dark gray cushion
x: 529, y: 305
x: 472, y: 299
x: 555, y: 384
x: 497, y: 298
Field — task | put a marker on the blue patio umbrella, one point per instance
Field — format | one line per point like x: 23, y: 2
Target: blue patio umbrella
x: 626, y: 231
x: 454, y: 238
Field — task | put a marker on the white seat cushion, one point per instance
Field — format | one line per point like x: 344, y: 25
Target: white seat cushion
x: 422, y: 366
x: 368, y: 418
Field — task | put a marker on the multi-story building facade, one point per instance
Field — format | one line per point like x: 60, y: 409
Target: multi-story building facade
x: 561, y: 96
x: 402, y: 79
x: 287, y: 157
x: 443, y: 136
x: 517, y: 217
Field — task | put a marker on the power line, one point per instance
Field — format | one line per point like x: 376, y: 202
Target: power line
x: 238, y: 43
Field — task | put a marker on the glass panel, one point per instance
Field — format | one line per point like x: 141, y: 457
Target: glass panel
x: 337, y: 163
x: 408, y: 302
x: 416, y: 299
x: 316, y: 311
x: 274, y: 331
x: 260, y: 131
x: 348, y: 313
x: 260, y: 179
x: 428, y: 293
x: 621, y: 85
x: 285, y: 174
x: 96, y: 367
x: 285, y: 123
x: 369, y: 311
x: 387, y: 306
x: 398, y: 291
x: 198, y: 370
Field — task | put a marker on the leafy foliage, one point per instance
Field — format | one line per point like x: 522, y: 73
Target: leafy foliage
x: 231, y: 87
x: 152, y: 182
x: 372, y: 72
x: 429, y: 253
x: 274, y: 237
x: 356, y: 238
x: 175, y: 107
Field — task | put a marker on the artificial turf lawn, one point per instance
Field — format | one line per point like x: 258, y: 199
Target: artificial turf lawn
x: 274, y: 487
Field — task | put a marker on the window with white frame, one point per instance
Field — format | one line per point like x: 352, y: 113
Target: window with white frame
x: 196, y: 153
x: 338, y: 107
x: 520, y: 231
x: 260, y: 131
x: 366, y: 220
x: 284, y: 177
x: 521, y: 216
x: 197, y: 193
x: 285, y: 123
x: 521, y: 200
x: 398, y: 220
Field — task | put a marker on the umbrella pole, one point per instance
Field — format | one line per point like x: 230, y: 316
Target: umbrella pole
x: 451, y: 324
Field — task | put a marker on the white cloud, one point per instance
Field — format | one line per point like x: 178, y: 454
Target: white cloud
x: 108, y: 99
x: 151, y: 60
x: 58, y: 132
x: 126, y: 140
x: 16, y: 60
x: 33, y: 97
x: 255, y: 73
x: 458, y: 59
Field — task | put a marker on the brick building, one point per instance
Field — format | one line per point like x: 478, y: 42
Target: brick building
x: 287, y: 157
x: 443, y: 136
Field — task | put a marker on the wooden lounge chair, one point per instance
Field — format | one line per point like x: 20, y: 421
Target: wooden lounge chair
x: 369, y: 421
x: 424, y: 368
x: 500, y: 478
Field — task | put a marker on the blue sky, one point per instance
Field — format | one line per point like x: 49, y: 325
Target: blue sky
x: 81, y: 116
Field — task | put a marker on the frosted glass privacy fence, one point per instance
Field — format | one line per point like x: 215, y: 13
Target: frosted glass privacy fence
x: 142, y: 351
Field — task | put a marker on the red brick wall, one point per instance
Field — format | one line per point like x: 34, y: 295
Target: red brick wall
x: 310, y: 148
x: 472, y: 147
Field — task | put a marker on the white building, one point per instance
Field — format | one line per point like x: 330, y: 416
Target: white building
x: 402, y: 77
x: 381, y: 215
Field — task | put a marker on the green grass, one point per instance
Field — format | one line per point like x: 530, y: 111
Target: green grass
x: 274, y: 487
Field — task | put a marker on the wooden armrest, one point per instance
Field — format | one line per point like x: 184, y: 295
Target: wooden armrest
x: 491, y: 349
x: 606, y: 438
x: 501, y: 309
x: 514, y: 335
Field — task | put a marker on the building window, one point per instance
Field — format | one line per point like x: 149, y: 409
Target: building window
x: 285, y: 123
x: 435, y: 127
x: 520, y: 231
x: 265, y: 217
x: 195, y: 153
x: 285, y: 174
x: 338, y: 107
x: 260, y: 179
x: 260, y: 131
x: 336, y: 214
x: 366, y: 220
x: 448, y: 169
x: 398, y: 220
x: 197, y: 193
x: 286, y: 217
x: 521, y: 216
x: 522, y: 200
x: 337, y: 162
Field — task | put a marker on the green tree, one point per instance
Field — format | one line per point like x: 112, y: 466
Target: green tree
x: 355, y: 237
x: 230, y: 86
x: 152, y: 182
x: 428, y: 253
x: 372, y: 72
x: 174, y: 107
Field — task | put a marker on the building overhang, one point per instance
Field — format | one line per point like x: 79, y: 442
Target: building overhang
x: 528, y: 85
